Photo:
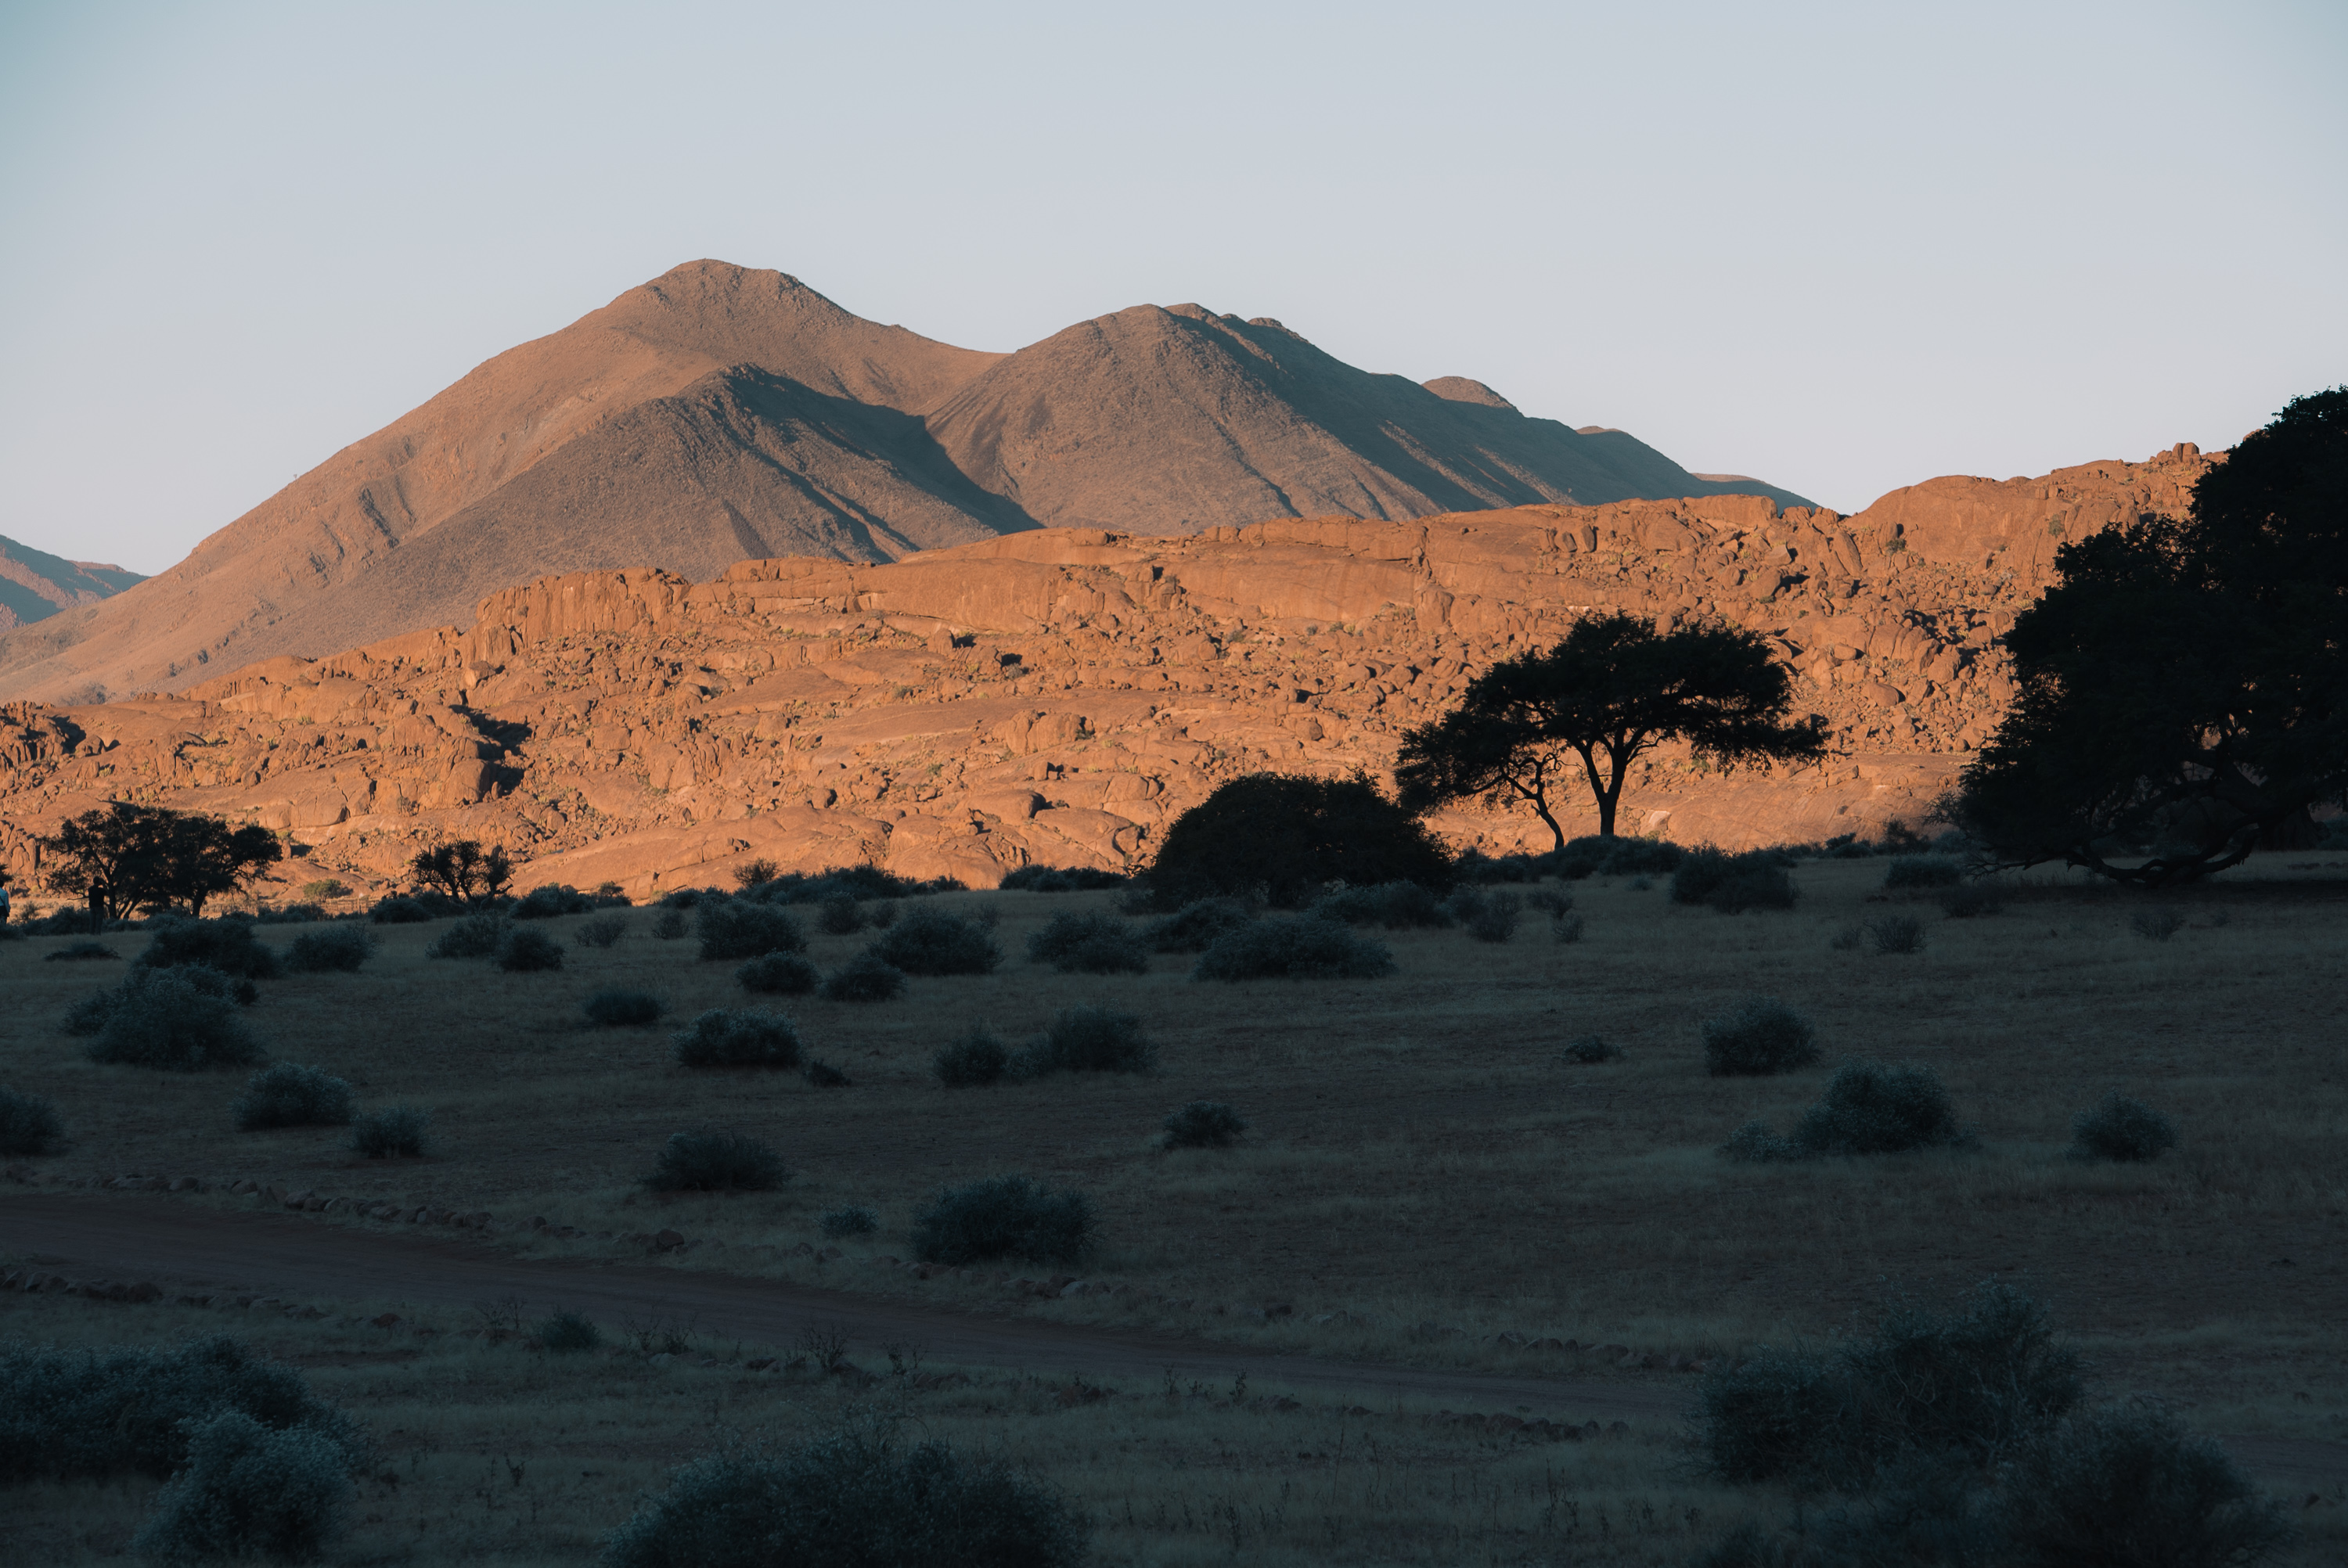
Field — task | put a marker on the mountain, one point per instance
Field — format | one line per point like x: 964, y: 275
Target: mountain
x: 718, y: 413
x: 36, y: 585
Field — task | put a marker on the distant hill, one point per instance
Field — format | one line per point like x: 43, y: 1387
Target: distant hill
x: 36, y: 585
x: 718, y: 414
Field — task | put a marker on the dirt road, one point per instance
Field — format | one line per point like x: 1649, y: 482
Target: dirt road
x: 262, y: 1253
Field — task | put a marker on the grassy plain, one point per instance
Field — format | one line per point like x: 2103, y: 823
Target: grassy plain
x: 1421, y: 1159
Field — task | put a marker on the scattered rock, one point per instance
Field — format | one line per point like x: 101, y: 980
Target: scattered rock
x: 667, y: 1241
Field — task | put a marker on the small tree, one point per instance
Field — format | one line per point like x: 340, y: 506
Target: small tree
x: 1613, y: 688
x: 125, y: 856
x: 463, y: 871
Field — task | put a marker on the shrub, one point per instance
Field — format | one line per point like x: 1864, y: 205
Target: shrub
x: 617, y: 1008
x: 1868, y: 1109
x: 1971, y: 902
x: 740, y: 930
x: 1396, y: 906
x: 1565, y: 930
x: 1895, y: 934
x: 287, y: 1094
x: 28, y: 1123
x: 1761, y: 1037
x: 1292, y: 837
x: 717, y: 1163
x: 2128, y: 1485
x: 1088, y: 1039
x: 1922, y: 871
x: 1090, y: 944
x: 474, y: 937
x: 866, y: 978
x: 342, y: 947
x: 777, y: 974
x: 326, y: 887
x: 853, y: 1498
x: 1488, y: 916
x: 566, y: 1332
x: 401, y: 910
x: 291, y: 915
x: 1204, y: 1124
x: 1006, y: 1215
x: 1061, y: 879
x: 1293, y: 949
x: 841, y: 917
x: 395, y: 1130
x: 2155, y: 924
x: 2119, y: 1128
x: 929, y: 941
x: 603, y: 931
x: 250, y: 1491
x: 841, y: 1224
x: 1732, y: 884
x: 1592, y: 1048
x: 228, y: 946
x: 184, y: 1019
x: 756, y: 873
x: 976, y: 1058
x: 823, y: 1075
x: 744, y: 1038
x: 528, y: 952
x: 671, y: 923
x: 1592, y: 855
x: 81, y: 952
x: 1194, y: 928
x: 1550, y: 901
x: 553, y: 900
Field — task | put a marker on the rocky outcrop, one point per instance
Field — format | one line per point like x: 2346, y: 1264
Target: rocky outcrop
x: 1059, y: 695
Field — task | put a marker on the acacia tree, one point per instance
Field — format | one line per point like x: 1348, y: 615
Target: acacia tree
x: 1613, y: 688
x: 462, y: 870
x: 2184, y: 686
x: 126, y: 857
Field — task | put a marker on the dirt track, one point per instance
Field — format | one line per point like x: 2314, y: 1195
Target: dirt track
x: 280, y: 1255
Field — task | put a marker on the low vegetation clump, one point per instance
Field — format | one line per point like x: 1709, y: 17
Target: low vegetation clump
x: 857, y: 1500
x: 717, y: 1163
x: 1971, y: 901
x: 1550, y: 901
x: 401, y: 910
x: 1088, y: 1039
x: 975, y: 1058
x: 396, y: 1132
x: 474, y: 937
x: 250, y: 1490
x: 1204, y: 1124
x: 337, y: 949
x: 2155, y: 924
x: 285, y: 915
x: 1762, y: 1037
x: 2131, y: 1485
x: 228, y: 946
x: 1194, y: 928
x: 619, y: 1008
x: 824, y: 1075
x: 1293, y: 948
x: 567, y: 1333
x: 550, y: 902
x: 81, y: 952
x: 841, y: 917
x: 930, y: 941
x: 1596, y: 855
x: 1488, y: 916
x: 28, y: 1123
x: 738, y: 1039
x: 1089, y: 945
x: 603, y: 931
x: 737, y: 929
x: 1732, y: 884
x: 779, y: 975
x: 1566, y: 930
x: 1592, y: 1050
x: 1395, y: 906
x: 2120, y: 1128
x: 183, y: 1019
x: 866, y: 978
x: 1890, y: 935
x: 1061, y: 879
x: 288, y: 1095
x: 1006, y: 1216
x: 326, y: 887
x: 529, y: 952
x: 1287, y: 838
x: 1913, y: 871
x: 1868, y: 1109
x: 671, y: 924
x: 841, y: 1224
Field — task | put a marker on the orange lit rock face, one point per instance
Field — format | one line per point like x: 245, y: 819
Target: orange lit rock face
x: 1058, y: 696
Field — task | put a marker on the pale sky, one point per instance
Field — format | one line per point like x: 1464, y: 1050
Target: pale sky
x: 1844, y: 248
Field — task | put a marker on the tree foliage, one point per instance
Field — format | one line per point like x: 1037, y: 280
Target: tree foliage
x: 1611, y: 690
x: 1289, y: 838
x: 124, y: 856
x: 463, y: 870
x: 2184, y: 686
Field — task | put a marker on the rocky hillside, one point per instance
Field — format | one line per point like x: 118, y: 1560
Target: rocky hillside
x: 1058, y: 696
x: 36, y: 585
x: 719, y: 413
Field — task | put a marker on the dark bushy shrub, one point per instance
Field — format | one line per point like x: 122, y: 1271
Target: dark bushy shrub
x: 337, y: 947
x: 94, y: 1415
x: 1592, y: 855
x: 823, y: 1075
x: 865, y: 884
x: 474, y: 937
x: 2120, y: 1128
x: 1922, y: 871
x: 841, y: 917
x: 1761, y: 1037
x: 737, y: 928
x: 1868, y: 1109
x: 1488, y: 916
x: 1566, y: 930
x: 1396, y: 906
x: 2128, y: 1486
x: 2155, y: 924
x: 1088, y: 1039
x: 183, y: 1019
x: 717, y: 1163
x: 1592, y: 1048
x: 28, y: 1123
x: 401, y: 909
x: 854, y: 1499
x: 866, y: 978
x: 1732, y: 884
x: 1194, y: 928
x: 778, y: 975
x: 929, y: 941
x: 250, y: 1491
x: 550, y: 901
x: 1003, y: 1216
x: 1061, y: 879
x: 228, y: 946
x: 603, y: 931
x: 567, y: 1333
x: 743, y: 1038
x: 620, y: 1008
x: 1292, y: 837
x: 1895, y: 934
x: 977, y: 1057
x: 1204, y: 1124
x: 1550, y: 901
x: 287, y: 1094
x: 81, y: 952
x: 671, y: 923
x: 841, y: 1224
x: 286, y: 915
x: 1293, y: 949
x: 395, y: 1130
x: 529, y: 952
x: 1971, y: 902
x: 1089, y: 945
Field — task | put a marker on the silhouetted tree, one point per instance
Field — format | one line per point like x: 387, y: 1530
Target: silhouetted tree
x: 1613, y: 688
x: 463, y: 871
x: 2184, y: 686
x: 1290, y: 838
x: 125, y: 856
